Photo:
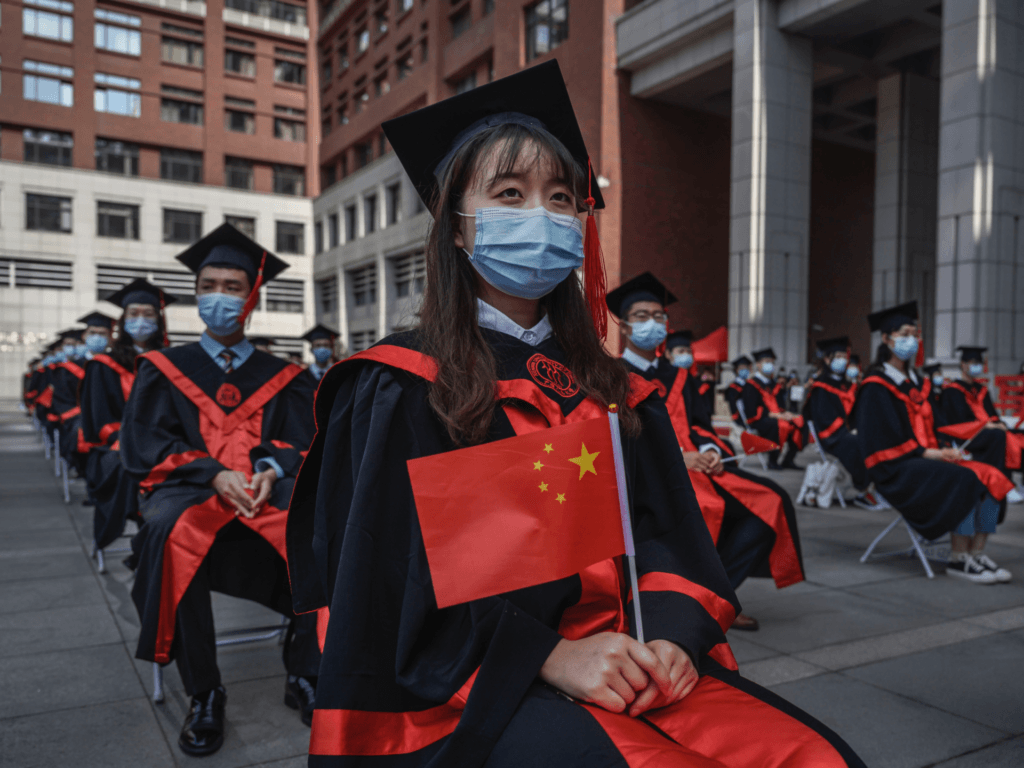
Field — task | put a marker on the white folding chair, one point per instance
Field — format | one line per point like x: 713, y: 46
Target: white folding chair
x: 743, y: 417
x: 825, y: 457
x: 56, y: 453
x: 924, y: 549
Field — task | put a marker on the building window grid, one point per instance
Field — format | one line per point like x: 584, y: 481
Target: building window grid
x: 117, y: 157
x: 273, y: 9
x: 360, y: 340
x: 35, y: 273
x: 363, y: 282
x: 289, y: 180
x: 289, y: 130
x: 47, y: 213
x: 46, y: 23
x: 410, y: 274
x: 47, y: 147
x: 239, y: 122
x: 117, y: 95
x: 111, y: 278
x: 461, y: 21
x: 178, y: 110
x: 182, y: 226
x: 547, y: 27
x: 393, y: 202
x: 244, y: 224
x: 285, y: 296
x: 187, y: 53
x: 327, y: 294
x: 318, y: 237
x: 333, y: 233
x: 50, y: 83
x: 181, y: 165
x: 290, y: 237
x: 239, y: 63
x: 289, y: 72
x: 350, y: 223
x: 117, y: 36
x: 370, y: 214
x: 119, y: 220
x: 237, y: 173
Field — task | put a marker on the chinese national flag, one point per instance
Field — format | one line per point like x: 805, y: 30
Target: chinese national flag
x: 518, y: 512
x: 966, y: 430
x: 755, y: 444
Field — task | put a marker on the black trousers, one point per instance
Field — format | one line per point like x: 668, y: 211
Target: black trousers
x: 744, y: 543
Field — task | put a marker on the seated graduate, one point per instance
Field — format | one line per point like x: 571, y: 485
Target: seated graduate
x: 741, y: 372
x: 323, y: 343
x: 543, y: 676
x: 933, y: 488
x: 751, y: 519
x: 262, y: 343
x: 214, y: 433
x: 108, y: 381
x: 64, y: 381
x: 829, y: 405
x: 28, y: 392
x: 853, y: 369
x: 760, y: 398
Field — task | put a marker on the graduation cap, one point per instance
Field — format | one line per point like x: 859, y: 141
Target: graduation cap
x: 318, y: 332
x: 536, y: 99
x: 932, y: 369
x: 96, y: 320
x: 645, y: 287
x: 763, y: 354
x: 854, y: 359
x: 261, y: 341
x: 741, y: 361
x: 972, y: 354
x: 893, y: 318
x: 140, y: 291
x: 831, y: 346
x: 679, y: 339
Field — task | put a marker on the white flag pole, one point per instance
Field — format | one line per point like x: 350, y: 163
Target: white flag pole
x: 627, y: 525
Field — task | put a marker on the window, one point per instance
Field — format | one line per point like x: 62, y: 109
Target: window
x: 405, y: 5
x: 328, y: 174
x: 364, y: 285
x: 364, y: 154
x: 325, y: 126
x: 290, y: 53
x: 291, y: 237
x: 318, y: 237
x: 333, y: 233
x: 361, y: 98
x: 117, y: 220
x: 424, y: 50
x: 111, y: 95
x: 187, y: 52
x: 370, y: 214
x: 237, y: 173
x: 393, y: 201
x: 467, y: 83
x: 182, y: 226
x: 181, y: 165
x: 289, y: 180
x: 111, y: 278
x: 53, y: 26
x: 360, y: 340
x: 325, y: 68
x: 289, y: 72
x: 327, y: 294
x: 285, y: 295
x: 381, y: 86
x: 237, y: 120
x: 274, y: 9
x: 116, y: 35
x: 362, y: 40
x: 47, y: 213
x: 188, y: 32
x: 176, y: 110
x: 117, y: 157
x: 350, y: 223
x: 488, y: 7
x: 342, y: 58
x: 380, y: 20
x: 461, y: 22
x: 55, y: 89
x: 343, y: 114
x: 405, y: 65
x: 547, y: 27
x: 32, y: 273
x: 410, y: 273
x: 47, y: 147
x: 244, y: 224
x: 243, y: 64
x: 289, y: 130
x: 240, y: 42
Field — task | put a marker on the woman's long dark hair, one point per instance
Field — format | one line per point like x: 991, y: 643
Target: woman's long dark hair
x: 463, y: 393
x: 122, y: 348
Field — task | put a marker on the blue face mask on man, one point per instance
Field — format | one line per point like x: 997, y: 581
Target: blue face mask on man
x: 976, y: 370
x: 768, y: 368
x: 852, y: 372
x: 220, y: 312
x: 140, y: 328
x: 684, y: 360
x: 648, y: 334
x: 838, y: 365
x: 322, y: 355
x: 96, y: 343
x: 904, y: 347
x: 742, y: 375
x: 525, y: 252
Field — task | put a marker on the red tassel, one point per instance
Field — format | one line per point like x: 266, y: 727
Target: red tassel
x: 163, y: 318
x: 594, y: 285
x: 254, y: 295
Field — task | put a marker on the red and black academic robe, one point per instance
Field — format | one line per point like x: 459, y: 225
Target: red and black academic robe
x: 104, y: 393
x: 403, y: 683
x: 966, y: 409
x: 760, y: 400
x: 759, y: 496
x: 44, y: 398
x: 65, y: 411
x: 894, y: 427
x: 828, y: 407
x: 186, y: 421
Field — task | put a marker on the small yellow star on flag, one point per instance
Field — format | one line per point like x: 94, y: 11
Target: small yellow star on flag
x: 548, y: 448
x: 543, y: 487
x: 537, y: 465
x: 585, y: 461
x: 560, y: 498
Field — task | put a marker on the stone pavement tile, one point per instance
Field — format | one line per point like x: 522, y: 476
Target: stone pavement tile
x: 48, y: 594
x: 121, y: 734
x: 781, y: 669
x: 848, y: 572
x: 22, y: 511
x: 41, y: 564
x: 946, y: 596
x: 746, y: 649
x: 760, y: 590
x: 299, y: 761
x: 57, y: 537
x: 237, y: 664
x: 1005, y: 754
x: 31, y: 632
x: 65, y: 679
x: 259, y: 728
x: 1011, y: 618
x: 980, y: 680
x: 886, y: 730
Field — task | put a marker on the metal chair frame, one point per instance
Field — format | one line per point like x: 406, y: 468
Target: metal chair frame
x: 743, y: 417
x: 825, y: 457
x: 924, y: 549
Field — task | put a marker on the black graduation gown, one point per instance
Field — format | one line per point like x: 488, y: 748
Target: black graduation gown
x: 759, y: 400
x: 66, y: 380
x: 185, y: 421
x: 403, y: 683
x: 104, y: 393
x: 732, y: 395
x: 828, y: 407
x: 934, y: 496
x: 754, y: 495
x: 965, y: 402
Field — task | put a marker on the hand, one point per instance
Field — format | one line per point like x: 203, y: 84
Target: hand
x: 233, y: 488
x: 682, y: 676
x: 262, y: 483
x: 715, y: 466
x: 952, y: 454
x: 607, y: 669
x: 696, y: 461
x: 996, y: 425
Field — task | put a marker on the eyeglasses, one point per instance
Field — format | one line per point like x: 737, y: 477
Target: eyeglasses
x: 642, y: 316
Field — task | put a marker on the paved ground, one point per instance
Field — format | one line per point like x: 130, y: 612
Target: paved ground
x: 912, y: 672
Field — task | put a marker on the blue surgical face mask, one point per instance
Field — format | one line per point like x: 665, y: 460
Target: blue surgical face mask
x: 96, y: 343
x: 838, y: 365
x: 742, y: 374
x: 140, y: 328
x: 938, y: 380
x: 976, y: 370
x: 684, y: 360
x: 220, y: 312
x: 904, y: 347
x: 526, y: 252
x: 648, y: 334
x: 852, y: 372
x: 322, y: 355
x: 768, y: 368
x: 80, y: 350
x: 60, y: 356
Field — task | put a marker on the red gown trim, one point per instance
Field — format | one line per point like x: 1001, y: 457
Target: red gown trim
x: 832, y: 428
x: 718, y: 608
x: 108, y: 430
x: 891, y: 453
x: 75, y: 369
x: 70, y: 413
x: 126, y: 377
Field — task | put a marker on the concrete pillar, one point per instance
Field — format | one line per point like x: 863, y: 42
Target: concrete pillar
x: 771, y: 175
x: 980, y: 253
x: 906, y: 193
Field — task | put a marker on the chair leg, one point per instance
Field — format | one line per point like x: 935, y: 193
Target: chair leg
x: 46, y: 445
x: 67, y: 481
x: 56, y: 454
x: 158, y: 683
x: 878, y: 539
x: 101, y: 562
x: 915, y: 539
x: 764, y: 461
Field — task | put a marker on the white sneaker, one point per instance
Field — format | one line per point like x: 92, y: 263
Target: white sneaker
x: 965, y: 567
x: 989, y: 564
x: 1014, y: 497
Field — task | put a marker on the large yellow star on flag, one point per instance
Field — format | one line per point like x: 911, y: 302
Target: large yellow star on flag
x: 585, y: 461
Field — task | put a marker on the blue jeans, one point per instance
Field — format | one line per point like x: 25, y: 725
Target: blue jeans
x: 982, y: 519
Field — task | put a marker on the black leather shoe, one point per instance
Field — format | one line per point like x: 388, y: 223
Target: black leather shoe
x: 203, y: 730
x: 300, y: 694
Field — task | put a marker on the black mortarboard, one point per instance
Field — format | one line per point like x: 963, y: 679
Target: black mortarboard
x: 427, y: 139
x: 227, y: 247
x: 740, y: 361
x: 141, y: 291
x: 679, y: 339
x: 930, y: 370
x: 972, y: 354
x: 261, y: 341
x: 71, y: 333
x: 645, y: 287
x: 97, y: 320
x: 893, y: 318
x: 830, y: 346
x: 761, y: 354
x: 854, y: 359
x: 320, y: 331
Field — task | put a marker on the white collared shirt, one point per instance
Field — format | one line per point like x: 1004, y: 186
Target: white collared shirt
x: 634, y: 359
x: 489, y: 317
x: 897, y: 375
x: 763, y: 379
